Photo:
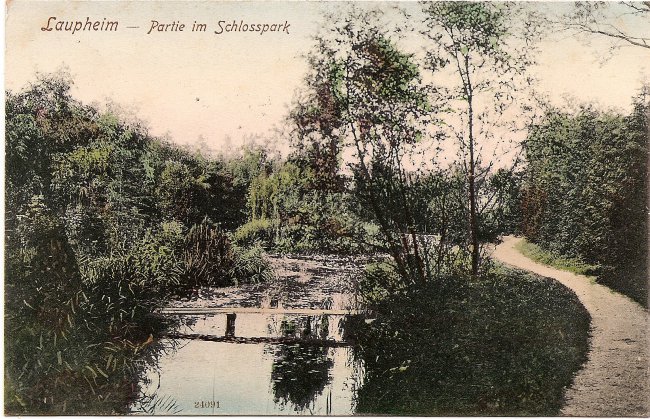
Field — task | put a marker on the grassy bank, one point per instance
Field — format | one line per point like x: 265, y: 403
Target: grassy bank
x: 627, y: 280
x: 536, y: 253
x: 506, y: 344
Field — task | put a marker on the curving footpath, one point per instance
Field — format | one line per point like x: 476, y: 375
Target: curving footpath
x: 614, y: 379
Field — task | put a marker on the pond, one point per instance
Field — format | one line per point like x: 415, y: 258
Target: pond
x: 270, y: 349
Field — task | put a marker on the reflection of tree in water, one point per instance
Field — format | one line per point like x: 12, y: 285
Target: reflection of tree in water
x: 301, y: 327
x: 299, y: 372
x: 156, y: 404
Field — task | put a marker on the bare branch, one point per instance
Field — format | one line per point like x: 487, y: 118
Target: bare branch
x: 590, y: 19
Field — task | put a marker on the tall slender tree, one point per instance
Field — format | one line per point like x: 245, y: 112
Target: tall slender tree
x: 479, y: 47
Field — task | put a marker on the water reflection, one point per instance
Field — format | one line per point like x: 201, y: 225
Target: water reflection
x: 230, y: 324
x: 255, y: 377
x: 323, y: 327
x: 306, y: 327
x: 300, y: 374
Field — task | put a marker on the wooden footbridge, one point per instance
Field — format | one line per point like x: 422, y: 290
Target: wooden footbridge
x: 305, y: 341
x: 231, y: 314
x: 270, y: 311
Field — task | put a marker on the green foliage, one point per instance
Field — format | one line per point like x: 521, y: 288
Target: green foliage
x: 379, y: 281
x: 262, y: 230
x: 365, y: 94
x: 585, y: 192
x: 270, y: 193
x: 505, y: 344
x: 538, y: 254
x: 104, y: 224
x: 503, y: 215
x: 488, y: 55
x: 250, y: 266
x: 69, y: 346
x: 364, y: 98
x: 208, y: 256
x: 323, y: 223
x: 179, y: 191
x: 475, y: 27
x: 289, y: 213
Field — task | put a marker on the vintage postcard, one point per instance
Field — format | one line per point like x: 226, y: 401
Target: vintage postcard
x: 326, y: 208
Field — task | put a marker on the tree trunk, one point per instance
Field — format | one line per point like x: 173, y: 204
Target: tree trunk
x: 473, y: 215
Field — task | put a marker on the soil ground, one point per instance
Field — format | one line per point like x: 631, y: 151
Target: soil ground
x: 614, y: 380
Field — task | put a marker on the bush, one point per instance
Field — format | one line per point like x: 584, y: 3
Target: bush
x: 261, y: 230
x: 378, y: 282
x: 250, y: 266
x: 100, y: 232
x: 72, y: 329
x: 585, y: 192
x: 507, y: 344
x: 208, y: 256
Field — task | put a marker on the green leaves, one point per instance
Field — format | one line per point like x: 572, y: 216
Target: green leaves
x: 91, y: 251
x: 506, y: 344
x: 468, y: 26
x: 585, y: 192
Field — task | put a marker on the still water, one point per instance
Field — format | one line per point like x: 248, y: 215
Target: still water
x: 271, y: 362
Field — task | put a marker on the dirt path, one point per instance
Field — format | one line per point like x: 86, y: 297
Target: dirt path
x: 614, y: 380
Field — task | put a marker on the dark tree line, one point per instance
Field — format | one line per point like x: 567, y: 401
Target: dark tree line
x: 103, y: 224
x: 585, y: 191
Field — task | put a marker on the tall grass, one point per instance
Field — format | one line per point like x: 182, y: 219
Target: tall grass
x: 630, y: 279
x: 79, y: 331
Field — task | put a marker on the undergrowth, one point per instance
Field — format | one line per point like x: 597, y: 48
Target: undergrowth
x: 630, y: 279
x: 537, y: 254
x: 505, y: 344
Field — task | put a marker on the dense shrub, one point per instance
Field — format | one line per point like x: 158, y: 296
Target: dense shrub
x: 207, y: 256
x: 585, y: 192
x: 262, y: 230
x: 323, y: 222
x: 505, y: 344
x: 250, y: 266
x: 70, y: 342
x: 288, y: 214
x: 378, y: 282
x: 103, y: 224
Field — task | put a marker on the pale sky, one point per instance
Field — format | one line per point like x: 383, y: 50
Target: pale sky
x: 202, y: 84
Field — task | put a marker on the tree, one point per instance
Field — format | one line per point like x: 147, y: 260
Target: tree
x: 478, y: 46
x: 624, y: 23
x: 91, y: 252
x: 585, y: 192
x: 364, y: 97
